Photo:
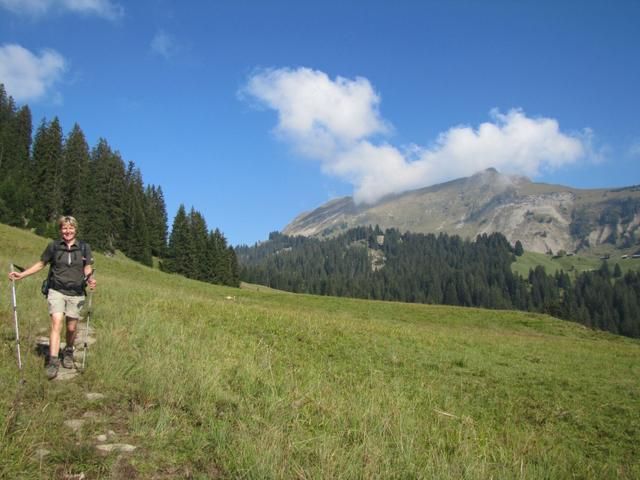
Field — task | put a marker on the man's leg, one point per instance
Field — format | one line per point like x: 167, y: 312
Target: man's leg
x: 67, y: 356
x: 54, y: 344
x: 54, y: 335
x: 72, y: 325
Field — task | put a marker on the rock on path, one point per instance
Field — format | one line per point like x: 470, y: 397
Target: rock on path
x: 116, y: 447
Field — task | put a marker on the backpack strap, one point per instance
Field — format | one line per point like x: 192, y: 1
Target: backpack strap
x: 83, y: 249
x: 46, y: 283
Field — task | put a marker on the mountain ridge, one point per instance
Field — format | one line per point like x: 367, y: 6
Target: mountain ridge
x: 544, y: 217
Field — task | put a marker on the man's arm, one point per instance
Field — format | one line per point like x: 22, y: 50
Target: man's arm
x: 88, y: 274
x: 35, y: 268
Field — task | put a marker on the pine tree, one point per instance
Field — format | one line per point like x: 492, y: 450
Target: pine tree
x: 76, y: 175
x: 134, y: 240
x: 518, y: 249
x: 233, y: 268
x: 48, y: 177
x: 156, y: 219
x: 179, y: 242
x: 216, y: 248
x: 15, y: 162
x: 197, y: 264
x: 106, y: 199
x: 617, y: 271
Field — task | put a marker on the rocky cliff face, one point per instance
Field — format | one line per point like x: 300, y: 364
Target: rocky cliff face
x: 543, y: 217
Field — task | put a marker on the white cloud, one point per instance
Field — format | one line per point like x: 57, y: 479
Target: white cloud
x: 319, y: 115
x: 27, y: 76
x: 164, y: 44
x: 334, y: 122
x: 101, y: 8
x: 634, y: 149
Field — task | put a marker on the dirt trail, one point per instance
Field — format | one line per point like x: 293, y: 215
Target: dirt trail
x: 106, y: 442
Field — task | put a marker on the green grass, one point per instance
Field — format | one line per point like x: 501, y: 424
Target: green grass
x: 266, y: 385
x: 574, y: 264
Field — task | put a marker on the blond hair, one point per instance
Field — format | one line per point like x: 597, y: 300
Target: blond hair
x: 63, y: 220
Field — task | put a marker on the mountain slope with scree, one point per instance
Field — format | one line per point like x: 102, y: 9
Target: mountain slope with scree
x: 543, y: 217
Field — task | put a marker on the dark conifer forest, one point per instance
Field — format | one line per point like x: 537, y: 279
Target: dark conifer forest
x: 367, y: 263
x: 49, y: 174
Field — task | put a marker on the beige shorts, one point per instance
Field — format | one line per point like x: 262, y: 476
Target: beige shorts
x: 71, y: 306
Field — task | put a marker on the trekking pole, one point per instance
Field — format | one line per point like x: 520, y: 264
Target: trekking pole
x: 86, y: 330
x: 15, y: 321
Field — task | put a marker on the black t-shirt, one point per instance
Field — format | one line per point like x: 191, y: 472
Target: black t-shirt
x: 67, y: 266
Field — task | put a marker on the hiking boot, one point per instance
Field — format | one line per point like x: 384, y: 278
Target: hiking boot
x: 67, y: 358
x: 52, y: 368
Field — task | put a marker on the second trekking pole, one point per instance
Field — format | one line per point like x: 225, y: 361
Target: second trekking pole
x: 15, y: 322
x: 86, y: 329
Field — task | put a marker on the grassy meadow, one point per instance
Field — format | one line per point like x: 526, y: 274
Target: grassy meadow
x: 574, y: 264
x: 215, y: 382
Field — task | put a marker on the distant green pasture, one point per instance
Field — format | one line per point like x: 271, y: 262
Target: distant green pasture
x: 574, y: 264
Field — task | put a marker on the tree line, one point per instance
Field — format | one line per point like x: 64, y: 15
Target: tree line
x: 49, y: 174
x: 366, y: 262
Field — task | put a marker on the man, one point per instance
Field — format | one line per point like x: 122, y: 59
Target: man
x: 71, y: 269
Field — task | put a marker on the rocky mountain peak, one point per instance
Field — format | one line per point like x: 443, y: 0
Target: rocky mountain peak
x: 543, y: 217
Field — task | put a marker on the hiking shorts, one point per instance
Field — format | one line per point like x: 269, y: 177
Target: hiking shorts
x: 70, y: 305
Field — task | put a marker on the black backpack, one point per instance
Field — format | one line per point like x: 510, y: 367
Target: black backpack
x: 46, y: 283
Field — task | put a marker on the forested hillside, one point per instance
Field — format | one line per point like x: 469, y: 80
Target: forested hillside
x: 50, y: 174
x: 365, y: 262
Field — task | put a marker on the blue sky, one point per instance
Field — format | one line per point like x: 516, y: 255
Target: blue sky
x: 255, y: 111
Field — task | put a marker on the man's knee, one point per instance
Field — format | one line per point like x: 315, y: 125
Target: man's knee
x: 56, y: 321
x: 72, y: 324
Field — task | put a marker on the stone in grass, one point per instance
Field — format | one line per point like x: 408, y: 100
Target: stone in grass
x: 74, y: 476
x: 40, y: 453
x: 94, y: 397
x: 116, y: 447
x: 110, y: 435
x: 66, y: 374
x: 75, y: 424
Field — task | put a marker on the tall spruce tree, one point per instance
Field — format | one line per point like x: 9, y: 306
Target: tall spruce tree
x: 76, y: 175
x: 107, y: 187
x: 179, y: 240
x: 196, y: 264
x: 15, y: 162
x: 233, y: 269
x: 156, y: 213
x: 216, y: 257
x: 134, y: 240
x: 48, y: 180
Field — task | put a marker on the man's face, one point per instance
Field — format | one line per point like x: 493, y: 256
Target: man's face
x: 68, y: 232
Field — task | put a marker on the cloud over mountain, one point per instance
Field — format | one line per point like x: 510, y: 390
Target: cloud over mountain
x: 338, y: 123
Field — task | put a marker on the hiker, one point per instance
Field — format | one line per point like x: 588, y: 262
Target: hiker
x: 71, y: 269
